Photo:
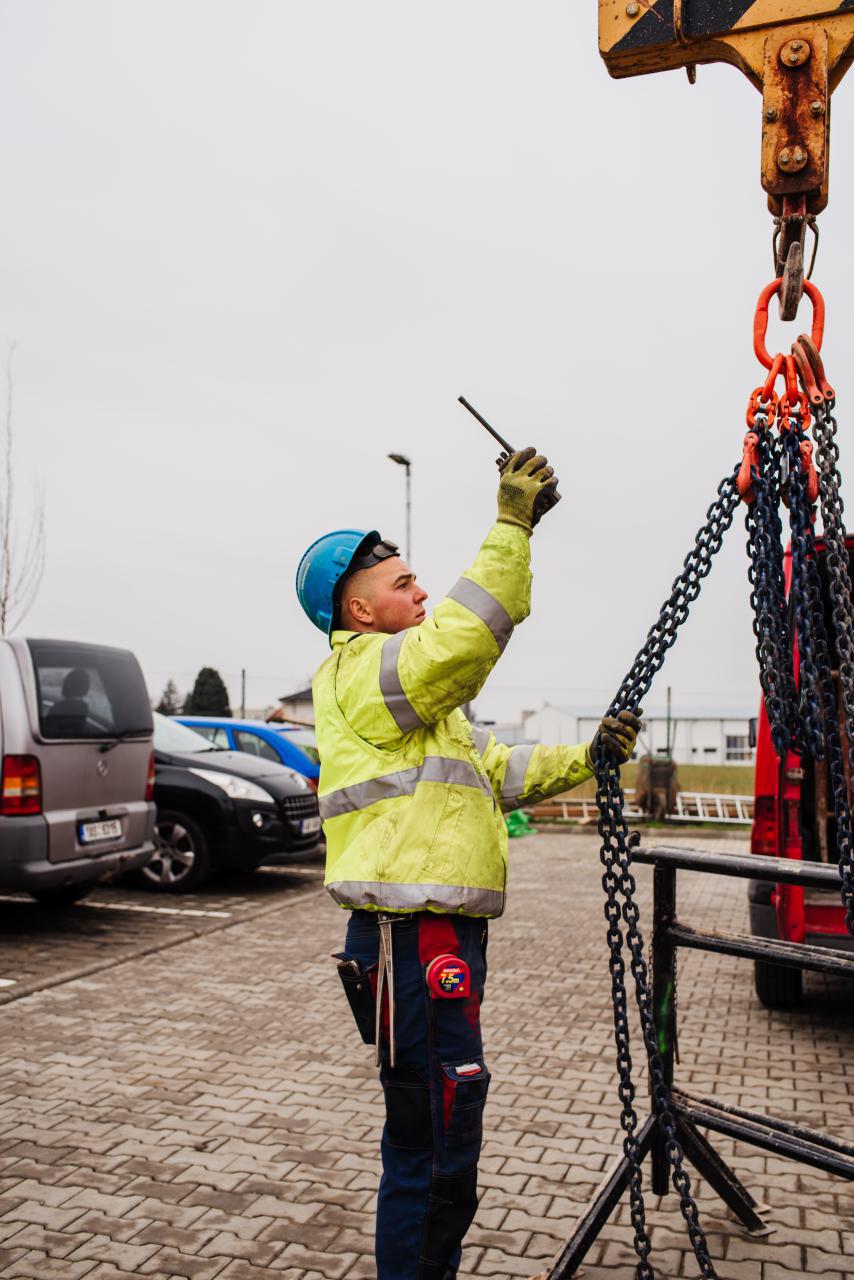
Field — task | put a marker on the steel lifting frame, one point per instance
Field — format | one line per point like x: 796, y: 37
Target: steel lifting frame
x: 780, y: 1137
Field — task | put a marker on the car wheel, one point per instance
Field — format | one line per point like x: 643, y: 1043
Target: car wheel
x: 59, y: 899
x: 777, y: 986
x: 181, y: 861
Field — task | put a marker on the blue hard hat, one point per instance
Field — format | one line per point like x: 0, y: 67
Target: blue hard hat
x: 323, y: 566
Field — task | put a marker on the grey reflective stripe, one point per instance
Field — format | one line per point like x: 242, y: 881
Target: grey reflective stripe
x: 403, y: 783
x: 459, y: 772
x: 405, y: 716
x: 487, y: 608
x: 363, y: 794
x: 514, y: 776
x: 481, y: 738
x: 455, y: 898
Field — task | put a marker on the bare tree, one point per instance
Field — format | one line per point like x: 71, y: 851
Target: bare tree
x: 21, y: 554
x: 170, y: 700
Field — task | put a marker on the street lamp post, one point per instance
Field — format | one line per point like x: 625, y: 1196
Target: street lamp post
x: 403, y: 461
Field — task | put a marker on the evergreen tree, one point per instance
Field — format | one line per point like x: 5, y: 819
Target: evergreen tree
x: 170, y: 700
x: 209, y: 696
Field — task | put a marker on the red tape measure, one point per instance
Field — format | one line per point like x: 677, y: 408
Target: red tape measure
x: 448, y: 978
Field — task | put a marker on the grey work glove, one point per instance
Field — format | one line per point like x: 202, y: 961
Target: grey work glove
x: 527, y: 488
x: 619, y: 734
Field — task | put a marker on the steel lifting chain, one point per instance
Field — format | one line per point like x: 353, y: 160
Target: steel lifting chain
x: 621, y: 910
x: 806, y: 721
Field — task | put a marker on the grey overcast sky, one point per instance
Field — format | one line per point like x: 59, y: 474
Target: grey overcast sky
x: 247, y: 249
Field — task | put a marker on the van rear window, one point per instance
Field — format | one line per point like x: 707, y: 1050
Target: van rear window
x: 87, y: 691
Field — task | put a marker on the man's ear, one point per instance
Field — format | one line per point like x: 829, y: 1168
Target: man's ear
x: 360, y: 610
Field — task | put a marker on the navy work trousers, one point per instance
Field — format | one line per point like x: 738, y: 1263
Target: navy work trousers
x: 434, y: 1096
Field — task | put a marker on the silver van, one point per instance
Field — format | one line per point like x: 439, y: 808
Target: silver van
x: 77, y: 767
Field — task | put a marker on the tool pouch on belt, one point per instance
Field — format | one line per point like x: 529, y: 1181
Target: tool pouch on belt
x: 359, y: 991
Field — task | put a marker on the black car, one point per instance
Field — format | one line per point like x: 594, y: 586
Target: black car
x: 222, y: 809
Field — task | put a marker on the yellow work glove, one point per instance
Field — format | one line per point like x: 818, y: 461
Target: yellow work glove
x: 527, y: 488
x: 619, y: 734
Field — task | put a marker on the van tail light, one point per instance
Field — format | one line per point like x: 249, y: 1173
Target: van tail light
x: 21, y: 787
x: 149, y: 785
x: 763, y: 834
x: 312, y: 782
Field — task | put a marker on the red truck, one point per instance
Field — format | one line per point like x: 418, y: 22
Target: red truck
x: 794, y: 818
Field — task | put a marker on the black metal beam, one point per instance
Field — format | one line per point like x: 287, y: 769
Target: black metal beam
x: 720, y: 1177
x: 770, y: 1136
x: 772, y: 1122
x: 796, y: 955
x: 749, y: 866
x: 663, y: 1004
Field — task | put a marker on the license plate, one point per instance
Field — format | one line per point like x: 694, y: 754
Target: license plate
x: 310, y: 825
x: 90, y: 832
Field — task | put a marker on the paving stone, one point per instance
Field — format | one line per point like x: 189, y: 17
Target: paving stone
x: 38, y: 1266
x: 774, y: 1271
x: 215, y: 1221
x: 115, y: 1206
x: 228, y: 1201
x: 335, y: 1265
x: 45, y: 1214
x: 122, y: 1254
x: 57, y: 1244
x: 187, y: 1266
x: 267, y: 1207
x: 8, y: 1256
x: 228, y: 1245
x: 107, y: 1272
x: 785, y: 1255
x: 311, y: 1236
x: 101, y: 1224
x: 54, y: 1194
x: 243, y: 1271
x: 184, y: 1239
x: 178, y: 1215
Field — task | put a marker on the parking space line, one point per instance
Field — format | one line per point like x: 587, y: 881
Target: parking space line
x: 8, y: 982
x: 157, y: 911
x: 132, y: 906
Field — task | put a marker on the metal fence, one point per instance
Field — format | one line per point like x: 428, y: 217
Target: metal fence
x: 691, y: 806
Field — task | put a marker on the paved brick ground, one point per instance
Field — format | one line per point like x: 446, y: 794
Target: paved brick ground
x: 207, y: 1111
x: 38, y: 945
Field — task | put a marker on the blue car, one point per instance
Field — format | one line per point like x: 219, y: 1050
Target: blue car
x: 291, y: 746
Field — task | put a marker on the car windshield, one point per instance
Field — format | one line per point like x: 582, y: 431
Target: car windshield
x: 170, y: 736
x: 305, y: 739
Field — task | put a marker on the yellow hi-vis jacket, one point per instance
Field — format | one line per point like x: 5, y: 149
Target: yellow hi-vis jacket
x: 411, y: 794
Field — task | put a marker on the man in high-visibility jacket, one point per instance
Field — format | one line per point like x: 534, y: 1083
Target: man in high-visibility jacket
x: 411, y: 796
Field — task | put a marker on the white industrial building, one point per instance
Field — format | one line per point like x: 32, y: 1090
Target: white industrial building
x: 698, y: 736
